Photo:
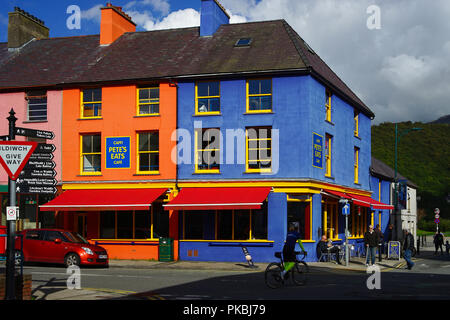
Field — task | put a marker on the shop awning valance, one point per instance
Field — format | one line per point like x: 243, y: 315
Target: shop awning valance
x: 219, y: 198
x: 358, y: 200
x: 369, y: 202
x: 104, y: 200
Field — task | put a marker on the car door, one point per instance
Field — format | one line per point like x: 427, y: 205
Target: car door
x: 33, y: 245
x: 55, y: 252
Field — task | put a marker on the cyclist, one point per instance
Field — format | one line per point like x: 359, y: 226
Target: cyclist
x: 289, y: 248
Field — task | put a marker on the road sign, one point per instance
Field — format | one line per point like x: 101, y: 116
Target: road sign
x: 32, y: 133
x: 346, y: 209
x: 12, y: 213
x: 38, y: 164
x: 42, y: 156
x: 36, y: 182
x: 437, y: 216
x: 36, y: 189
x: 36, y: 173
x: 14, y: 156
x: 437, y: 221
x: 45, y: 148
x: 437, y: 211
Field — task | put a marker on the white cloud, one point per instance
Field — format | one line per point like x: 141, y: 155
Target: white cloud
x: 93, y: 13
x: 177, y: 19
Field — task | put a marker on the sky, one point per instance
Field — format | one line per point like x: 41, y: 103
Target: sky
x: 394, y: 54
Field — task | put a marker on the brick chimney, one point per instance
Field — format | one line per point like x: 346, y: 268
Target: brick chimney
x: 212, y: 16
x: 23, y: 27
x: 114, y: 23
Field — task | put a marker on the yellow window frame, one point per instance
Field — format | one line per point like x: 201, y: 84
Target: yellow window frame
x: 200, y: 151
x: 289, y: 199
x: 356, y: 165
x: 89, y: 173
x: 139, y: 104
x: 247, y: 149
x: 328, y: 139
x: 248, y: 96
x: 328, y: 105
x: 197, y: 113
x: 356, y: 119
x: 82, y: 105
x: 138, y: 153
x: 330, y: 209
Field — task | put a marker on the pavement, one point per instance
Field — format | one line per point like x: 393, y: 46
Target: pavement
x: 61, y: 293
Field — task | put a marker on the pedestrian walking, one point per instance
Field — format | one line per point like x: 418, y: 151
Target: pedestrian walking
x: 380, y: 241
x: 447, y: 247
x: 388, y: 238
x: 371, y: 242
x: 408, y: 246
x: 438, y: 242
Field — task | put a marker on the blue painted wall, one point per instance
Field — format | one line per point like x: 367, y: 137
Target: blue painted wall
x: 298, y: 111
x: 212, y: 16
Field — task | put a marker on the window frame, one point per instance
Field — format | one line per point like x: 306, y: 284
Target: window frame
x: 151, y: 227
x: 150, y: 103
x: 138, y: 153
x: 248, y: 96
x: 29, y: 97
x: 308, y: 201
x: 197, y: 97
x: 356, y: 151
x: 197, y: 150
x: 330, y: 208
x: 247, y: 149
x: 328, y: 106
x: 82, y: 104
x: 328, y: 152
x: 82, y: 154
x: 233, y: 222
x: 356, y: 123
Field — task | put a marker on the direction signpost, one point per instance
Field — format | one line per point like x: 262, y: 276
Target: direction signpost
x: 28, y: 172
x: 346, y: 213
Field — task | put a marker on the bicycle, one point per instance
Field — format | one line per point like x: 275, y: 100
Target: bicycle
x: 298, y: 273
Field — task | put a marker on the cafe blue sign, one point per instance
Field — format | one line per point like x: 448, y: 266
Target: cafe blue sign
x: 317, y: 150
x: 118, y: 153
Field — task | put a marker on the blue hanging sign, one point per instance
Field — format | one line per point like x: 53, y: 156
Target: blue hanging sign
x: 317, y: 151
x: 118, y: 153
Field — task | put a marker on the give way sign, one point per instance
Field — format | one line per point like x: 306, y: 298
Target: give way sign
x: 14, y: 156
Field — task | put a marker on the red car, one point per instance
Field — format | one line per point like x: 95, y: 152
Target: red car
x: 60, y: 246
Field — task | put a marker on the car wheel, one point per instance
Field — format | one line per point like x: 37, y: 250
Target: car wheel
x: 72, y: 259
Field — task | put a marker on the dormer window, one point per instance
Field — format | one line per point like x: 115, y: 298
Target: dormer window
x: 243, y: 42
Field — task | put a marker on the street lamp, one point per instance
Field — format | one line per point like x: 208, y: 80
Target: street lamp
x: 397, y: 213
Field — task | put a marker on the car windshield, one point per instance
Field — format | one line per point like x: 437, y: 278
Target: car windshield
x: 75, y: 237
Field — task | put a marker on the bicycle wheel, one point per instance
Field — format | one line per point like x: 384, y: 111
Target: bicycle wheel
x: 273, y: 276
x: 299, y: 273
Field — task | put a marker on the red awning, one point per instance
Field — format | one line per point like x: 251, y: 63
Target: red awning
x: 104, y: 200
x: 369, y: 202
x: 219, y: 198
x: 358, y: 200
x: 336, y: 194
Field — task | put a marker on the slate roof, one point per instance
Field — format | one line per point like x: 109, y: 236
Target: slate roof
x: 380, y: 169
x: 172, y: 53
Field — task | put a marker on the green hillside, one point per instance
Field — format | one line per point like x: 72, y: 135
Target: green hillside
x: 423, y: 157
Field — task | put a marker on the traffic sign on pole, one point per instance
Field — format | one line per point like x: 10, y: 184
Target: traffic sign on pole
x: 32, y: 133
x: 14, y: 156
x: 12, y: 213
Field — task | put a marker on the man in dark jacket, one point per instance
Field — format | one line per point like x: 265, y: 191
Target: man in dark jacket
x: 438, y: 242
x: 380, y: 241
x: 371, y: 241
x: 326, y: 247
x: 408, y: 245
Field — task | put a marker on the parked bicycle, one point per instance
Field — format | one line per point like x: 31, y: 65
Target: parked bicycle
x: 298, y: 273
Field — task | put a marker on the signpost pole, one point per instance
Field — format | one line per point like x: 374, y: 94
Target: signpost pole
x: 10, y: 262
x: 347, y: 251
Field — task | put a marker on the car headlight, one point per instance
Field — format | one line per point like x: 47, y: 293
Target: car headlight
x: 88, y: 251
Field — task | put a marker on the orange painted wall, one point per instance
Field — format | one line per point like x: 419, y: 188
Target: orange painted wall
x: 118, y: 120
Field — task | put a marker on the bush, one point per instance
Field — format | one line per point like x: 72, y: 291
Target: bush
x: 428, y: 225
